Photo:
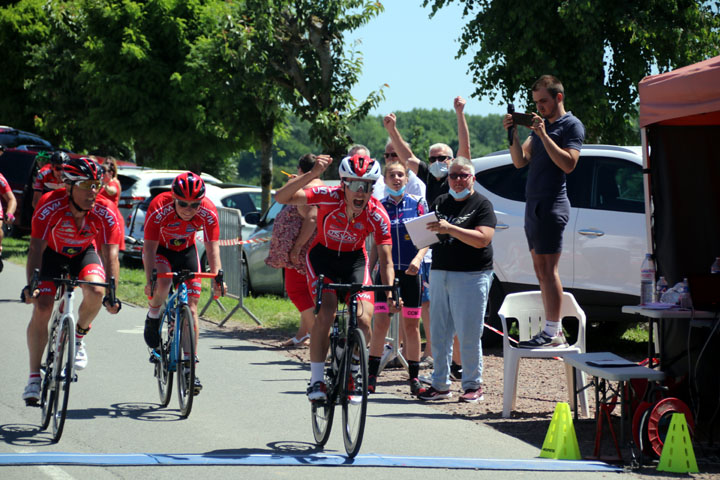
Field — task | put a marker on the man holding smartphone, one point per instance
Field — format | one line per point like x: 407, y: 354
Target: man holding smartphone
x: 552, y: 151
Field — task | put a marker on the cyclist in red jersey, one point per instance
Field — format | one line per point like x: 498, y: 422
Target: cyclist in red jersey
x: 9, y: 215
x: 347, y: 214
x: 170, y: 224
x: 49, y: 177
x: 66, y: 226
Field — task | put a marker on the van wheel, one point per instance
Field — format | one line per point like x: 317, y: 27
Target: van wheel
x: 491, y: 339
x: 245, y: 278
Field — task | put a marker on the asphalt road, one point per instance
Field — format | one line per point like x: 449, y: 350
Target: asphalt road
x: 252, y: 418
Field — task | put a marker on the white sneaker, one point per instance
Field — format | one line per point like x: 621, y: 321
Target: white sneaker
x: 31, y: 395
x: 81, y: 358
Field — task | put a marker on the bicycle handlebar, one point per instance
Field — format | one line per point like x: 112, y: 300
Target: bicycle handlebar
x: 354, y: 289
x: 185, y: 275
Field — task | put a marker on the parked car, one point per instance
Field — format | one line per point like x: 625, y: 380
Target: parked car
x: 245, y: 199
x: 604, y: 242
x: 14, y: 138
x: 136, y: 183
x: 19, y: 168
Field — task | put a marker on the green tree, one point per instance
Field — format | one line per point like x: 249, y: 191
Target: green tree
x: 599, y: 50
x: 304, y: 45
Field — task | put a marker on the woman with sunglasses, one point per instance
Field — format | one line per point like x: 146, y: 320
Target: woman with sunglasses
x: 170, y: 224
x: 112, y: 190
x: 407, y: 259
x: 49, y: 177
x: 68, y: 226
x: 460, y: 279
x: 347, y: 215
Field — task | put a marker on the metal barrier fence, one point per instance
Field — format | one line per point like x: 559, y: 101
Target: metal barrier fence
x: 231, y: 257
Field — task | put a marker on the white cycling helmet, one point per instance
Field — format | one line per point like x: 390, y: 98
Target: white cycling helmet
x: 359, y: 167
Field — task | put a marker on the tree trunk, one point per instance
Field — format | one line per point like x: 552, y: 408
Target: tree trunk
x: 266, y: 165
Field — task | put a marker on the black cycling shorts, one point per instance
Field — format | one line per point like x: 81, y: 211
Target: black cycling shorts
x: 410, y: 289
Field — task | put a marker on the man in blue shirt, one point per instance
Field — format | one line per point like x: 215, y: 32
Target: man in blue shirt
x: 552, y: 151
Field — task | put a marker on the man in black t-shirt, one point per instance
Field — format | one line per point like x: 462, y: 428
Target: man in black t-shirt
x: 460, y: 281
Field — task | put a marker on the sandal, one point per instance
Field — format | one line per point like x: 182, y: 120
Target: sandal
x: 295, y: 342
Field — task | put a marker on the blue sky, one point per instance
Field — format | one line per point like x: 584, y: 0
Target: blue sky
x: 415, y: 56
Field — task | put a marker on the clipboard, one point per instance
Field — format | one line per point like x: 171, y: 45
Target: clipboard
x: 419, y: 234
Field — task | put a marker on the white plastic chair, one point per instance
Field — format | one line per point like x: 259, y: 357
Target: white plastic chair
x: 527, y: 308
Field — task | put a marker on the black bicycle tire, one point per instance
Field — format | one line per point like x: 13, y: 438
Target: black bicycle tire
x: 322, y: 413
x: 186, y: 385
x: 163, y: 374
x: 353, y: 433
x: 63, y: 379
x: 47, y: 394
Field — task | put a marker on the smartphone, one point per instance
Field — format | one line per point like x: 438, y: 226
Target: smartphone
x: 524, y: 119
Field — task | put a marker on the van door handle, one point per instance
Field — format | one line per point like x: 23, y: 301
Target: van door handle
x: 501, y: 226
x: 592, y: 232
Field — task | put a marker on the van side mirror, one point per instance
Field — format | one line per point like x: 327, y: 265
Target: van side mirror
x: 252, y: 218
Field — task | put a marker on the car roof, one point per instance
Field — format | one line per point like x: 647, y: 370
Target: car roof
x: 141, y: 172
x: 502, y: 157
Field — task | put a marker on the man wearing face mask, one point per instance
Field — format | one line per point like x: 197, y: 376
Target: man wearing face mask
x: 435, y: 178
x: 440, y: 154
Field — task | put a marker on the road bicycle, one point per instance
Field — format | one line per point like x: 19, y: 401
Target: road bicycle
x: 346, y: 376
x: 59, y: 366
x: 178, y: 340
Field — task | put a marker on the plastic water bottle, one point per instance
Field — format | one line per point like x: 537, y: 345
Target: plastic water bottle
x: 715, y: 267
x: 660, y: 289
x: 647, y: 280
x: 685, y: 300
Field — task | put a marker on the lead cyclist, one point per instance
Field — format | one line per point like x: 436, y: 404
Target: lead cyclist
x: 347, y: 214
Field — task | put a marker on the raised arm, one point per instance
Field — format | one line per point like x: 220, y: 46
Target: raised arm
x: 463, y: 131
x: 292, y: 193
x: 403, y: 150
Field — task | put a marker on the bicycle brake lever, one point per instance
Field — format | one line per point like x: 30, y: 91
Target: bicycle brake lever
x: 220, y: 281
x: 318, y: 293
x: 153, y: 281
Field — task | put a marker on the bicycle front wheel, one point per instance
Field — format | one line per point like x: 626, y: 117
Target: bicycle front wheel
x: 163, y: 374
x: 47, y: 392
x: 186, y: 371
x: 354, y: 392
x: 62, y: 377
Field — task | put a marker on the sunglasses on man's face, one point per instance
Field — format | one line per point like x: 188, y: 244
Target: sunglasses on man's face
x: 193, y: 205
x: 359, y: 186
x: 461, y: 176
x: 439, y: 158
x: 391, y: 154
x: 93, y: 185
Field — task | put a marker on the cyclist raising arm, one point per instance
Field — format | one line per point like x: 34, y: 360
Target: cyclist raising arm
x: 346, y: 216
x: 170, y: 225
x: 67, y: 225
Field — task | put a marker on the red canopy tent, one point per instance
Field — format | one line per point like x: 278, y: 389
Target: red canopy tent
x: 680, y: 129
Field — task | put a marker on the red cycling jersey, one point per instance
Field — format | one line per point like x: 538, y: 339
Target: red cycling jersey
x: 46, y: 181
x: 4, y: 188
x: 333, y: 229
x: 53, y: 222
x: 163, y: 224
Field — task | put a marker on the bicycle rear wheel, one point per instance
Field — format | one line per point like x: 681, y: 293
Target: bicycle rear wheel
x: 163, y: 374
x: 354, y: 393
x: 186, y: 358
x: 62, y: 377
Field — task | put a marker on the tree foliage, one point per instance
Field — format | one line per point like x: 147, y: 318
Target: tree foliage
x: 421, y: 128
x: 599, y: 50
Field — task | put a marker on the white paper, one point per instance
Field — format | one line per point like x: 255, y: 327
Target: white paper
x: 419, y: 234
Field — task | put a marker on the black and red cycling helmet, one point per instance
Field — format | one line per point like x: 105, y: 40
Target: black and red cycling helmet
x: 81, y: 169
x: 59, y: 158
x: 188, y: 187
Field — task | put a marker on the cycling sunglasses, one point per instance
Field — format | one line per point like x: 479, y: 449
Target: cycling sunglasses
x: 93, y: 185
x: 359, y: 186
x: 439, y: 158
x: 193, y: 205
